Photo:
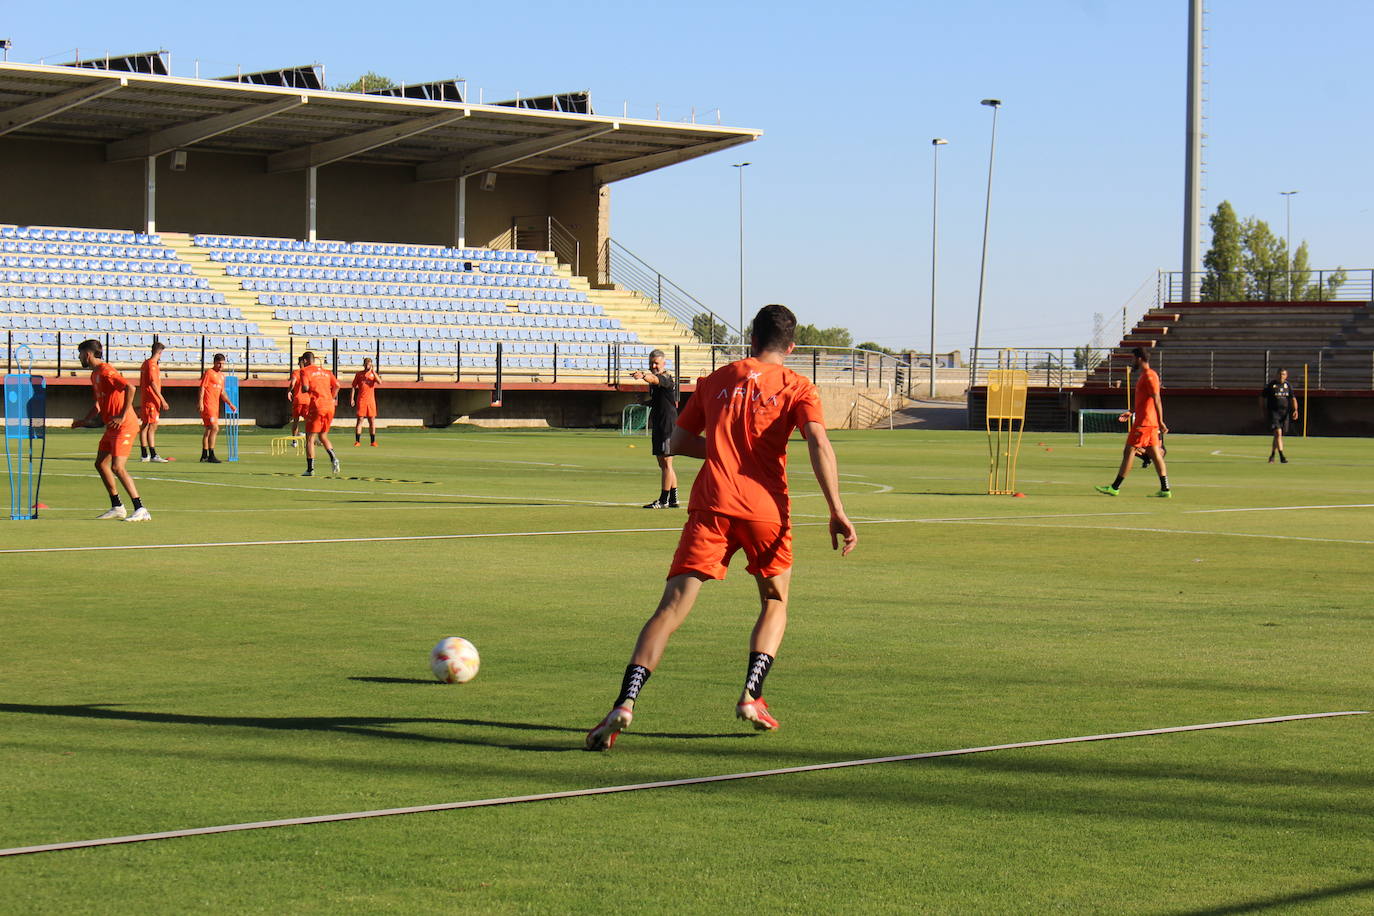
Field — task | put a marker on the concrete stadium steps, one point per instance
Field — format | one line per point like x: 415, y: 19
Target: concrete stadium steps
x: 654, y: 326
x: 234, y: 294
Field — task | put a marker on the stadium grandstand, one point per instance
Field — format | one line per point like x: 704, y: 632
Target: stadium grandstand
x: 464, y: 246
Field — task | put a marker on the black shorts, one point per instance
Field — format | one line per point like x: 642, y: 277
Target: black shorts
x: 661, y: 435
x: 1278, y: 419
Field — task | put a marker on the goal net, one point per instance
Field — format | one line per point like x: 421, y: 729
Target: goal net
x: 1101, y: 420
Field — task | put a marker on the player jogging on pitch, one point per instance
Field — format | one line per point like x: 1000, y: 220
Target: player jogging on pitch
x: 662, y: 422
x: 363, y: 394
x: 324, y: 392
x: 114, y: 405
x: 747, y: 411
x: 151, y: 404
x: 298, y: 397
x: 211, y: 394
x: 1146, y: 435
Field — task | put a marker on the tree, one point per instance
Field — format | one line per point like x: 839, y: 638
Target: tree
x: 366, y: 82
x: 708, y: 330
x: 1249, y: 262
x: 876, y: 348
x: 808, y: 335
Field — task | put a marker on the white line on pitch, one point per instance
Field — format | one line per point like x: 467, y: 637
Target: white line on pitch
x: 1227, y: 534
x: 666, y: 784
x: 1279, y: 508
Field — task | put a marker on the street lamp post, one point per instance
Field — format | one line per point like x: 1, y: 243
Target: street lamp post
x: 994, y: 104
x: 741, y: 166
x: 1288, y: 239
x: 934, y: 236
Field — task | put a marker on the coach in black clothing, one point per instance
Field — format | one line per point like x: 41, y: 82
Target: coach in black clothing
x: 662, y: 419
x: 1280, y: 406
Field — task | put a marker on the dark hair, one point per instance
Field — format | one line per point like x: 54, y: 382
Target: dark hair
x: 91, y: 346
x: 307, y: 356
x: 218, y: 357
x: 158, y: 346
x: 774, y: 328
x: 1279, y: 371
x: 1140, y: 354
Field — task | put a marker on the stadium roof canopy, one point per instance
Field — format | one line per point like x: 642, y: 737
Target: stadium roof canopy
x: 140, y: 115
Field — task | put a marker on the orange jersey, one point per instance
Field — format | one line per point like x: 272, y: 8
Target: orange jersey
x: 295, y: 383
x: 747, y: 411
x: 111, y: 392
x: 365, y: 387
x: 1146, y: 387
x: 150, y: 382
x: 211, y: 392
x: 321, y: 385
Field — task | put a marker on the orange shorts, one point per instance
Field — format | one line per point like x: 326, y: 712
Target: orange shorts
x: 366, y: 410
x: 209, y: 419
x: 319, y: 422
x: 300, y: 408
x: 1143, y: 436
x: 119, y: 440
x: 148, y: 413
x: 710, y: 540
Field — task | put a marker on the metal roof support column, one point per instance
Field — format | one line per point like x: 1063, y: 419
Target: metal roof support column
x: 150, y: 195
x: 311, y: 199
x: 461, y: 212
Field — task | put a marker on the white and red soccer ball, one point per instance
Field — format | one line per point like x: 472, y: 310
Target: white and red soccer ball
x: 454, y: 660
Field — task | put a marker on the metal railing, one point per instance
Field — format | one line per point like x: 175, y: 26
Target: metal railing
x: 1327, y: 368
x: 547, y: 234
x: 1339, y: 285
x: 620, y: 266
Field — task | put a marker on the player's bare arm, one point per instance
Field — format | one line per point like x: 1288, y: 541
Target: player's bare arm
x: 686, y: 444
x: 826, y: 468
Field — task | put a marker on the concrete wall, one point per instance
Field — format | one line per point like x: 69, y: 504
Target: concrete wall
x: 71, y: 184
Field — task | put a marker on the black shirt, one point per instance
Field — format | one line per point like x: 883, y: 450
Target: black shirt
x: 663, y: 400
x: 1278, y: 396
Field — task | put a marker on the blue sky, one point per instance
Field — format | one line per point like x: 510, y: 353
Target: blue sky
x: 1087, y: 195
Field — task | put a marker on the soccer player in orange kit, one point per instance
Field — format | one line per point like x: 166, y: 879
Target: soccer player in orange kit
x: 747, y: 411
x: 324, y: 392
x: 299, y: 397
x: 211, y: 394
x: 1147, y: 430
x: 151, y: 405
x: 364, y: 396
x: 114, y: 405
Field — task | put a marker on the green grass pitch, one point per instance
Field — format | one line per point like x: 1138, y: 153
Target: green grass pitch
x: 148, y: 690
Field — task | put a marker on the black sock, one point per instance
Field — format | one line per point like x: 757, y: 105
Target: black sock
x: 635, y: 676
x: 357, y: 437
x: 759, y: 663
x: 663, y: 497
x: 114, y: 501
x: 144, y: 450
x: 138, y: 504
x: 310, y: 464
x: 205, y: 453
x: 672, y: 494
x: 1164, y: 483
x: 330, y: 453
x: 1117, y: 484
x: 372, y: 436
x: 152, y: 453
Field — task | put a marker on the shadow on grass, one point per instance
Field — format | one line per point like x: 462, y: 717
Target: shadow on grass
x: 1283, y: 901
x: 426, y: 682
x: 367, y: 726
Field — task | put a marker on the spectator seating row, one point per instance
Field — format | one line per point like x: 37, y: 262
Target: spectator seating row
x: 370, y: 345
x: 503, y: 320
x: 93, y: 263
x: 64, y: 234
x: 132, y: 349
x: 357, y: 261
x: 366, y: 275
x: 127, y: 309
x: 451, y: 332
x: 142, y: 325
x: 111, y: 294
x: 73, y: 278
x: 386, y: 249
x: 83, y: 250
x: 413, y: 291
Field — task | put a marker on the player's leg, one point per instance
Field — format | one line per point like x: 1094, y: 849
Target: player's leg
x: 669, y: 480
x: 120, y: 470
x: 329, y: 446
x: 358, y: 431
x: 143, y: 441
x: 1128, y: 455
x: 103, y: 462
x: 769, y: 548
x: 372, y: 428
x: 1156, y: 452
x: 1278, y: 444
x: 309, y: 452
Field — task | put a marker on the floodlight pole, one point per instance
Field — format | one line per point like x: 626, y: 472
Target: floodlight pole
x: 741, y: 166
x: 994, y: 104
x: 934, y: 236
x: 1288, y: 239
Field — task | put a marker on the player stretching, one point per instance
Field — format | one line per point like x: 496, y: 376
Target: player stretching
x: 324, y: 390
x: 363, y: 394
x: 114, y: 405
x: 299, y: 398
x: 662, y: 422
x: 151, y: 405
x: 1145, y: 437
x: 211, y: 394
x: 747, y: 411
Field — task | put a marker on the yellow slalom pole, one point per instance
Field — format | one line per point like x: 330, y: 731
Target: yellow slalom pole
x: 1304, y: 400
x: 1128, y: 389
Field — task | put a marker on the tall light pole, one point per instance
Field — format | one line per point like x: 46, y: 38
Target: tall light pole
x: 994, y: 104
x: 741, y: 166
x: 934, y: 236
x: 1288, y: 239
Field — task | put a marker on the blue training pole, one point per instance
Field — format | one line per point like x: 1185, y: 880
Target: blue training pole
x: 231, y: 417
x: 25, y: 437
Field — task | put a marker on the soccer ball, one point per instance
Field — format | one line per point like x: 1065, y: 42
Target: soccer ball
x: 454, y: 660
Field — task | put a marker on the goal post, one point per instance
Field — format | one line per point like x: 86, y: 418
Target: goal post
x: 1100, y: 420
